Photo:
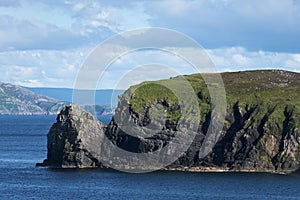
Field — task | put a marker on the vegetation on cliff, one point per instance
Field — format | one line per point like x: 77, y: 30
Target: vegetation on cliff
x: 270, y: 91
x: 262, y: 121
x: 261, y: 130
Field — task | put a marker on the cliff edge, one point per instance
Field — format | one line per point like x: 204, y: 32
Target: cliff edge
x: 260, y: 133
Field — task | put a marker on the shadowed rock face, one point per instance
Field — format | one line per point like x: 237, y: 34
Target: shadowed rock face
x: 74, y: 140
x: 258, y: 136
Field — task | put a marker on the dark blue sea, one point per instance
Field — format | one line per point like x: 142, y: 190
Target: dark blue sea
x: 23, y: 143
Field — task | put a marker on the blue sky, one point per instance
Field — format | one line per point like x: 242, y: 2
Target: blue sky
x: 43, y: 43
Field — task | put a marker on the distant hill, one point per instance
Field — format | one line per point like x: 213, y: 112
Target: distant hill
x: 20, y: 101
x: 17, y: 100
x: 102, y: 97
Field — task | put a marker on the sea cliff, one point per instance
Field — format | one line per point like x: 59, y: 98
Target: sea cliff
x: 260, y: 133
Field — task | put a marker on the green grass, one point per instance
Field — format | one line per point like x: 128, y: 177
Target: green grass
x: 149, y: 93
x: 263, y: 88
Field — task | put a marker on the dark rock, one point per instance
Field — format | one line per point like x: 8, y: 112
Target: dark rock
x: 252, y: 138
x: 74, y: 140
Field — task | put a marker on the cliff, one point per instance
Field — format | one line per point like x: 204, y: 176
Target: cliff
x: 74, y: 140
x: 260, y: 133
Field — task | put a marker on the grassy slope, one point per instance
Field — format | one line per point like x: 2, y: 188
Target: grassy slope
x: 272, y: 91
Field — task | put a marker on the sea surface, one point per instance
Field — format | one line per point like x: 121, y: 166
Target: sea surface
x: 23, y: 143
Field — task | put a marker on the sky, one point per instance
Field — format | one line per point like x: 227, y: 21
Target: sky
x: 44, y: 43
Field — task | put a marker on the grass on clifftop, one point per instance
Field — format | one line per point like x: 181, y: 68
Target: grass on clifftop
x: 266, y: 88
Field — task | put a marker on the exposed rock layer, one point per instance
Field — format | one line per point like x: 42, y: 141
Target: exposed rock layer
x: 256, y: 137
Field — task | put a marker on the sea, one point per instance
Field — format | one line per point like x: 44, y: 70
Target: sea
x: 23, y: 143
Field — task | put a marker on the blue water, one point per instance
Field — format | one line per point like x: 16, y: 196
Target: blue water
x: 23, y: 143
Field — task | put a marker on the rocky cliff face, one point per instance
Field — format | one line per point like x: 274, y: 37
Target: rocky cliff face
x: 74, y: 140
x: 253, y: 142
x: 261, y: 130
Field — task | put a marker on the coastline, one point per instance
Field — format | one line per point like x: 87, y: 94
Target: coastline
x: 224, y: 170
x: 180, y: 169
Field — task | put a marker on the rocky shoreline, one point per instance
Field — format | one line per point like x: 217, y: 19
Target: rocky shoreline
x: 67, y: 147
x: 221, y: 170
x: 256, y: 137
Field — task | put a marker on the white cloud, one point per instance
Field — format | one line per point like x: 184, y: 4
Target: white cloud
x: 41, y: 68
x: 296, y: 57
x: 257, y: 24
x: 59, y: 68
x: 95, y: 15
x: 269, y: 25
x: 19, y: 75
x: 44, y: 43
x: 238, y: 59
x: 30, y: 34
x: 79, y: 6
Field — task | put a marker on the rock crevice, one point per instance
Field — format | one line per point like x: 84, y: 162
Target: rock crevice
x: 257, y: 135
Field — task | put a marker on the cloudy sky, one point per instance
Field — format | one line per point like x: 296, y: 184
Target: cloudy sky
x: 44, y: 43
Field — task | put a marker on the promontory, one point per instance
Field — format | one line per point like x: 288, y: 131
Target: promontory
x: 260, y: 130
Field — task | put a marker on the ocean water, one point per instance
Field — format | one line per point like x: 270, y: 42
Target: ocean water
x: 23, y: 143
